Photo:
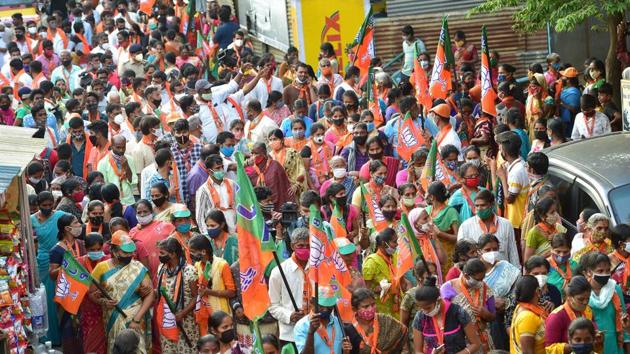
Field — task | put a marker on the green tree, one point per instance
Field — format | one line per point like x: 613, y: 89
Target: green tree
x: 564, y: 15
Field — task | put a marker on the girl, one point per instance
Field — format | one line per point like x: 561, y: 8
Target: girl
x: 223, y: 243
x: 408, y: 197
x: 91, y: 319
x: 541, y: 140
x: 338, y: 129
x: 336, y: 195
x: 528, y: 323
x: 316, y: 156
x: 462, y: 199
x: 388, y: 205
x: 547, y: 224
x: 221, y: 326
x: 562, y: 267
x: 378, y: 269
x: 95, y: 212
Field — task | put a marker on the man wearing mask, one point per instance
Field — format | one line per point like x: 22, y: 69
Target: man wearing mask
x: 327, y: 77
x: 186, y: 154
x: 117, y: 168
x: 67, y: 71
x: 238, y: 46
x: 81, y: 148
x: 19, y: 78
x: 92, y: 113
x: 217, y: 193
x: 412, y: 46
x: 136, y: 62
x: 267, y: 172
x: 24, y: 44
x: 301, y: 87
x: 268, y: 82
x: 98, y: 135
x: 356, y: 154
x: 56, y: 35
x: 209, y: 99
x: 349, y: 83
x: 118, y: 124
x: 121, y: 55
x: 589, y: 122
x: 258, y: 125
x: 49, y: 59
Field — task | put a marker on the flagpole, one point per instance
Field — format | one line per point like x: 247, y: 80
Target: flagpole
x: 171, y: 308
x: 106, y: 295
x: 285, y: 281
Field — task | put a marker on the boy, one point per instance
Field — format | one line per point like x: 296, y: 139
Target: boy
x: 609, y: 108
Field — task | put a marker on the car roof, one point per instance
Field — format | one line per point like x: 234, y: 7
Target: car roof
x: 604, y: 158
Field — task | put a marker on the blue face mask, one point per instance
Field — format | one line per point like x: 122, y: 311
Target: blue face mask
x: 582, y: 348
x: 227, y: 151
x: 183, y: 227
x: 501, y: 78
x: 96, y: 255
x: 325, y: 315
x: 370, y: 126
x: 214, y: 233
x: 298, y: 133
x: 451, y: 165
x: 556, y: 66
x: 379, y: 180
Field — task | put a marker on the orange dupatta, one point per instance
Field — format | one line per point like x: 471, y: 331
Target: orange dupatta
x: 86, y: 156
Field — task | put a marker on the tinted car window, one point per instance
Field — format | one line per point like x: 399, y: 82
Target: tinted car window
x: 620, y: 200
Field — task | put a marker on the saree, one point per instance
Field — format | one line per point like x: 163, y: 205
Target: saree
x: 165, y: 215
x: 294, y: 166
x: 375, y: 269
x: 444, y: 221
x: 46, y: 233
x: 91, y: 319
x: 122, y: 284
x: 465, y: 205
x: 390, y: 339
x: 150, y: 235
x: 502, y: 277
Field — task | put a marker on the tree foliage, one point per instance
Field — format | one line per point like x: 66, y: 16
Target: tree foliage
x: 562, y: 15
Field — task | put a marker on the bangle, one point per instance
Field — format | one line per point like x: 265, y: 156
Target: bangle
x: 467, y: 350
x: 136, y: 321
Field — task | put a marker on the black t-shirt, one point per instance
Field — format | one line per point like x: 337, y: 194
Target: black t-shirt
x: 454, y: 337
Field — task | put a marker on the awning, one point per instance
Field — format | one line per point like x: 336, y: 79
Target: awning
x: 17, y: 149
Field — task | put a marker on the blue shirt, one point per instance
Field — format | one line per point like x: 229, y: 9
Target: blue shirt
x: 51, y: 122
x: 77, y: 159
x: 285, y: 126
x: 524, y: 143
x: 571, y: 97
x: 300, y: 333
x: 225, y: 34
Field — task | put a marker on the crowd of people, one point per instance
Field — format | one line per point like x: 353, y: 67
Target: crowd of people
x: 138, y: 183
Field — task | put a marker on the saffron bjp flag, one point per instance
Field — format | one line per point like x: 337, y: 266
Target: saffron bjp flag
x: 167, y: 324
x: 337, y: 223
x: 373, y: 105
x: 255, y: 245
x: 186, y: 22
x: 379, y: 223
x: 146, y: 6
x: 325, y: 262
x: 421, y: 84
x: 361, y: 50
x: 408, y: 248
x: 488, y: 96
x: 73, y: 283
x: 409, y: 138
x: 444, y: 63
x: 430, y: 166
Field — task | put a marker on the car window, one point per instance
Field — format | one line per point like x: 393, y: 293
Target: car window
x: 568, y: 209
x: 619, y: 200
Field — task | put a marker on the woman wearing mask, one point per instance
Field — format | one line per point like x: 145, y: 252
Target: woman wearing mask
x: 463, y: 198
x: 464, y: 250
x: 376, y: 185
x: 528, y: 324
x: 376, y: 152
x: 223, y: 243
x: 183, y: 224
x: 350, y: 102
x: 221, y: 325
x: 127, y: 282
x: 327, y: 51
x: 470, y: 292
x: 379, y: 273
x: 440, y: 323
x: 276, y: 109
x: 289, y: 158
x: 373, y: 331
x: 91, y: 319
x: 606, y: 301
x: 149, y: 232
x: 298, y: 139
x: 575, y: 306
x: 555, y: 131
x: 216, y: 284
x: 95, y: 211
x: 177, y: 284
x: 389, y: 208
x: 597, y: 71
x: 562, y: 267
x: 336, y: 195
x: 340, y: 175
x: 431, y: 247
x: 538, y: 104
x: 317, y: 154
x: 68, y: 232
x: 408, y: 198
x: 541, y: 140
x: 413, y: 172
x: 72, y: 197
x: 338, y: 129
x: 163, y: 207
x: 444, y: 218
x: 472, y: 155
x: 548, y: 224
x: 620, y: 257
x: 45, y: 230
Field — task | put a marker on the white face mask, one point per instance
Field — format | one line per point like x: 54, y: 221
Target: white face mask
x: 475, y: 162
x: 238, y: 42
x: 119, y: 119
x: 32, y: 30
x: 34, y: 180
x: 57, y: 194
x: 138, y: 57
x: 157, y: 133
x: 76, y: 231
x: 424, y: 64
x: 105, y: 46
x: 542, y: 279
x: 144, y: 220
x: 339, y: 172
x: 490, y: 257
x: 318, y: 139
x: 627, y: 247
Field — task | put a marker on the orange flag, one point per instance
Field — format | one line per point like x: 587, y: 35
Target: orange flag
x: 441, y: 76
x: 73, y: 283
x: 409, y: 138
x: 374, y: 107
x: 337, y: 223
x: 421, y: 84
x: 146, y: 6
x: 167, y: 325
x: 488, y: 96
x: 374, y: 211
x: 325, y: 262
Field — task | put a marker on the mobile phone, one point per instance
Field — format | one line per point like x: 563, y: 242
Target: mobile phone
x: 438, y: 348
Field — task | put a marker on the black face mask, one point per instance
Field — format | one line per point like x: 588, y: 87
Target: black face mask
x: 156, y: 103
x: 164, y: 259
x: 4, y: 106
x: 376, y: 156
x: 338, y: 121
x: 159, y: 201
x: 227, y: 336
x: 66, y: 62
x: 92, y: 107
x: 342, y: 201
x: 196, y: 258
x: 19, y: 37
x: 601, y: 279
x: 46, y: 211
x: 540, y: 135
x: 96, y: 220
x: 389, y: 215
x: 125, y: 260
x: 360, y: 140
x: 182, y: 139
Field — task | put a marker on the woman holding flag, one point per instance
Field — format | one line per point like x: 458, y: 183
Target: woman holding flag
x: 444, y: 218
x: 129, y: 291
x: 177, y: 295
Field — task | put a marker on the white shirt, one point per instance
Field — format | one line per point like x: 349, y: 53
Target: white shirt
x: 337, y: 80
x: 228, y: 111
x: 581, y: 127
x: 260, y: 91
x: 261, y: 131
x: 208, y: 126
x: 577, y: 243
x: 281, y: 307
x: 25, y: 80
x: 471, y: 230
x: 451, y: 138
x: 204, y: 203
x: 345, y: 86
x: 145, y: 177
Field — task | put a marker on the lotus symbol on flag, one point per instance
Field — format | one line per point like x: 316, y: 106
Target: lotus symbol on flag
x: 436, y: 75
x: 63, y: 288
x: 168, y: 321
x: 316, y: 256
x: 408, y: 137
x: 247, y: 278
x: 486, y: 83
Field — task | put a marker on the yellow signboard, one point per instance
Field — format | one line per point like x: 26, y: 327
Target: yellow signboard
x: 320, y: 21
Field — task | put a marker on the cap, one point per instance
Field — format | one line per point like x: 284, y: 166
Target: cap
x: 24, y: 91
x: 182, y: 213
x: 135, y: 48
x: 202, y: 85
x: 326, y: 296
x: 345, y: 246
x: 443, y: 110
x: 569, y: 72
x: 123, y: 241
x: 173, y: 117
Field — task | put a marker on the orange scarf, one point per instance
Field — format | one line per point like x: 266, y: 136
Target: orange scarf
x: 237, y: 107
x: 214, y: 195
x: 86, y: 45
x: 536, y: 309
x: 86, y: 157
x: 588, y: 313
x: 394, y: 289
x: 61, y: 34
x: 319, y: 163
x: 565, y: 275
x: 489, y: 230
x: 626, y: 271
x: 370, y: 340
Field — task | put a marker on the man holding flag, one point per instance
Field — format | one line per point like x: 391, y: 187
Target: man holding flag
x: 441, y: 78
